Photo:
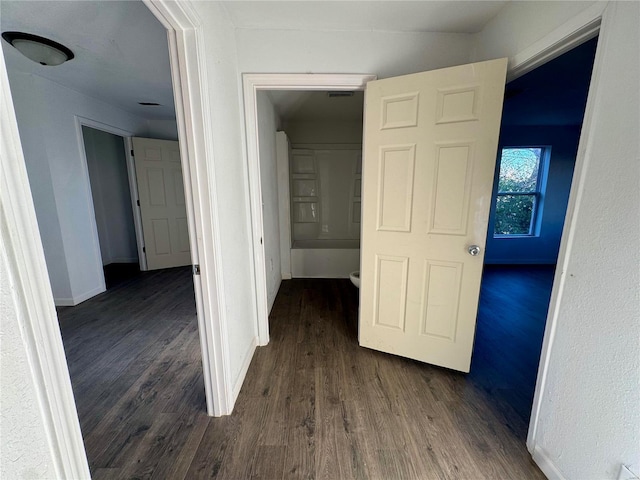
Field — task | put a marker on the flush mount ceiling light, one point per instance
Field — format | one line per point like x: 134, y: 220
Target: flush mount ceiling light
x: 39, y: 49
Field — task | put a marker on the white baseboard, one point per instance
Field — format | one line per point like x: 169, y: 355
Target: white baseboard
x: 72, y: 302
x: 243, y: 371
x: 286, y: 276
x: 546, y: 464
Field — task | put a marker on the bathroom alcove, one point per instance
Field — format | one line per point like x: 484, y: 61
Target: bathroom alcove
x: 310, y: 146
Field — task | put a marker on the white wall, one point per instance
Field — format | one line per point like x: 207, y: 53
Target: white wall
x: 230, y: 184
x: 60, y: 185
x: 589, y: 420
x: 500, y: 38
x: 323, y: 131
x: 107, y: 165
x: 163, y: 129
x: 382, y: 53
x: 267, y: 126
x: 25, y: 451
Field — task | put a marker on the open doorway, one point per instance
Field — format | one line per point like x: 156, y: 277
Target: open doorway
x: 540, y: 131
x: 120, y: 342
x: 310, y: 179
x: 106, y: 158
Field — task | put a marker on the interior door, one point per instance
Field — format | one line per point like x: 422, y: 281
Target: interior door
x: 162, y: 204
x: 430, y: 142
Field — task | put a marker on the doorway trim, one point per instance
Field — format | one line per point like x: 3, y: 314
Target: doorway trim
x: 131, y: 178
x: 252, y: 84
x: 33, y: 299
x: 191, y: 97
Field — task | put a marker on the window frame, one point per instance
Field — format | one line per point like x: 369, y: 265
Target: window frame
x: 538, y: 194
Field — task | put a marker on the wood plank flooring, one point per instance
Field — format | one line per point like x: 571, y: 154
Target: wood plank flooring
x: 314, y: 405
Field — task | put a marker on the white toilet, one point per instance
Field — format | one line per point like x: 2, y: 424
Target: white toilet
x: 355, y: 278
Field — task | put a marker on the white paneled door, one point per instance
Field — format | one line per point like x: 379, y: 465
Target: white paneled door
x: 430, y: 146
x: 162, y: 204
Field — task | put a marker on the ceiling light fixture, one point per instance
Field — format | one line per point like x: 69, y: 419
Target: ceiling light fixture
x: 39, y: 49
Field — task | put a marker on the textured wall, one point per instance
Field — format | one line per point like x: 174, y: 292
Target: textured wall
x: 25, y: 452
x: 590, y: 415
x: 381, y: 53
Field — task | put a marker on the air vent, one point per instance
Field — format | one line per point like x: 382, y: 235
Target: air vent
x: 339, y: 94
x: 149, y: 104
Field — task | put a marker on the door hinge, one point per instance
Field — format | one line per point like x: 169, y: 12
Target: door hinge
x: 144, y: 249
x: 196, y: 269
x: 132, y: 153
x: 138, y: 202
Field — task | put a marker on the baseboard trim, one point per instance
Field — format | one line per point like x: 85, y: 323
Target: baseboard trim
x: 243, y: 371
x: 72, y: 302
x: 545, y: 464
x: 286, y: 276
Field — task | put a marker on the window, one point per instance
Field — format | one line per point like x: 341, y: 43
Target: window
x: 519, y: 191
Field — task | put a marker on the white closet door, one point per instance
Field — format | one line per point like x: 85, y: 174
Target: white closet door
x: 162, y: 204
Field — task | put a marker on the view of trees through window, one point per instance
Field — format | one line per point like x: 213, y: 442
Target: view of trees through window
x: 518, y: 191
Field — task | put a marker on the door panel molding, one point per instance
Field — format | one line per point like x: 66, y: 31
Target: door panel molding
x: 425, y: 194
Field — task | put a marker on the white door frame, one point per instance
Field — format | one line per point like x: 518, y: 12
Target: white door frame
x: 252, y: 84
x: 191, y: 97
x: 131, y: 175
x: 37, y: 315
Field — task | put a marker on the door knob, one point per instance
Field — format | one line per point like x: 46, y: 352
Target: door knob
x: 474, y: 250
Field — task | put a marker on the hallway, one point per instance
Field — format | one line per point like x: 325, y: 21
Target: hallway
x: 313, y: 405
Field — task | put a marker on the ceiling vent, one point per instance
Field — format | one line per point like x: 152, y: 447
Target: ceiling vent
x: 339, y: 94
x: 149, y: 104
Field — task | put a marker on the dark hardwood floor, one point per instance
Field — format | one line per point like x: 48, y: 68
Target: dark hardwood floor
x: 314, y: 404
x: 117, y: 273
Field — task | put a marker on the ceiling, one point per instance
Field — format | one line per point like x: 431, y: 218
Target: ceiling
x: 120, y: 48
x: 121, y: 54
